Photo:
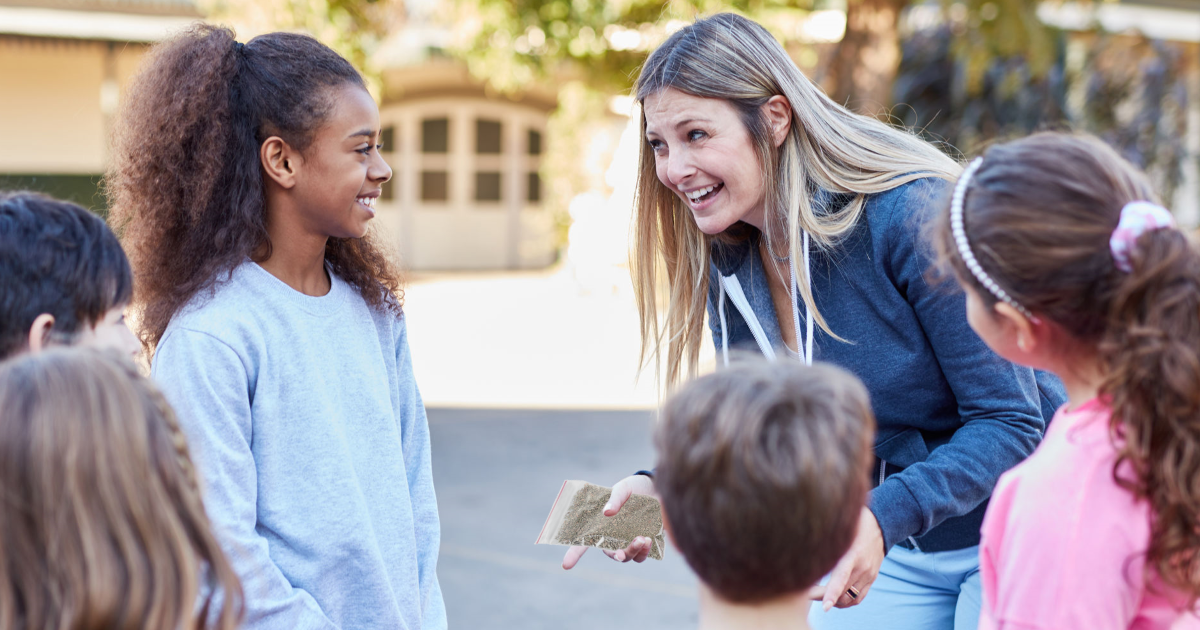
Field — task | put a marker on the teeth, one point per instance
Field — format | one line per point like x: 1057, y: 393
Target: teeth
x: 367, y: 201
x: 698, y: 193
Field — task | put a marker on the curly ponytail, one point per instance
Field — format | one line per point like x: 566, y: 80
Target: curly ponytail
x: 1152, y: 354
x: 185, y: 185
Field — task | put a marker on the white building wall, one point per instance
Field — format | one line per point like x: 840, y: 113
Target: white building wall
x: 462, y: 233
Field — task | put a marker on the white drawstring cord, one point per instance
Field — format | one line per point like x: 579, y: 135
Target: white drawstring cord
x: 807, y: 353
x: 724, y: 329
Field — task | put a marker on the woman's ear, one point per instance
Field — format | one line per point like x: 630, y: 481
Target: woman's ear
x: 279, y: 161
x: 779, y: 116
x: 39, y: 332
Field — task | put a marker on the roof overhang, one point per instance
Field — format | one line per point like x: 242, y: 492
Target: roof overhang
x: 90, y: 25
x: 440, y: 77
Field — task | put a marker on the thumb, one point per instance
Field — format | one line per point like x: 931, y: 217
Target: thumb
x: 620, y: 494
x: 573, y: 556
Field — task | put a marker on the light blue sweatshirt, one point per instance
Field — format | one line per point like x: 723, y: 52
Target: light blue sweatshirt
x: 309, y: 433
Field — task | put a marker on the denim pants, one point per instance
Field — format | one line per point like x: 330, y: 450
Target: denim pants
x: 914, y: 591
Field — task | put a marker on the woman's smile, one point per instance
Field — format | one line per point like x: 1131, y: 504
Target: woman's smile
x: 706, y: 156
x: 701, y: 198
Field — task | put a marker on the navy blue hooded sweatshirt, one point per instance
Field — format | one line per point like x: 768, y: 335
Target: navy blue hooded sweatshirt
x: 952, y: 415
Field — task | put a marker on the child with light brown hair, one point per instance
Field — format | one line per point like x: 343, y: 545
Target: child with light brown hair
x: 101, y: 521
x: 763, y: 470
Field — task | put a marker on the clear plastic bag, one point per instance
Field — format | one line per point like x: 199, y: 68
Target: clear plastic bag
x: 577, y: 518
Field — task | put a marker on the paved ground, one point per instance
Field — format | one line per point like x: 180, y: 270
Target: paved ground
x: 497, y: 473
x: 551, y: 339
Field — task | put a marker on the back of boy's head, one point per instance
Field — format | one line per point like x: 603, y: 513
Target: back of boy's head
x: 101, y: 520
x: 186, y: 185
x: 763, y: 470
x: 56, y: 258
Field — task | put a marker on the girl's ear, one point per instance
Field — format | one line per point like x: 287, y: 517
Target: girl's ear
x: 1019, y: 326
x: 39, y: 332
x: 779, y: 116
x: 279, y: 161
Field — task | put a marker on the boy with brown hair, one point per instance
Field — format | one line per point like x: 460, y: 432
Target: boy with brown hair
x: 763, y: 471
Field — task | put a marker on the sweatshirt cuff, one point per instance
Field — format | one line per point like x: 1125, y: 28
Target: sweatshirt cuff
x: 897, y: 511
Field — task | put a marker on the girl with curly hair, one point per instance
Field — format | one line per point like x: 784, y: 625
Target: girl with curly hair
x: 1070, y: 266
x: 101, y: 522
x: 243, y: 182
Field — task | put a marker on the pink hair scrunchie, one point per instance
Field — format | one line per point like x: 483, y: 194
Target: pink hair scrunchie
x: 1137, y: 218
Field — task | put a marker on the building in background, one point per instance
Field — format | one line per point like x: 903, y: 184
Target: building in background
x: 63, y: 65
x: 466, y: 192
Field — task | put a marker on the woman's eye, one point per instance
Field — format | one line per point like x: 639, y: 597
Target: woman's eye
x: 365, y: 150
x: 379, y: 147
x: 696, y: 134
x: 657, y: 145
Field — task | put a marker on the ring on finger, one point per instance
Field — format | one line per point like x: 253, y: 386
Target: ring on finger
x: 853, y: 593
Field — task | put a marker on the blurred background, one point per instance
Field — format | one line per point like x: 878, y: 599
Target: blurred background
x: 514, y: 143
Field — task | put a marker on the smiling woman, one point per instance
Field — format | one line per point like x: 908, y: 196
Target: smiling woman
x: 763, y: 204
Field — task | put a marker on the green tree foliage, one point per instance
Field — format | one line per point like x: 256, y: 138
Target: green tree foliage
x: 989, y: 70
x: 512, y: 42
x: 354, y: 28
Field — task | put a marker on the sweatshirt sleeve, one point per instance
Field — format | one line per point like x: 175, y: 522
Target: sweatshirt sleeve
x: 208, y: 385
x: 414, y: 432
x: 998, y: 402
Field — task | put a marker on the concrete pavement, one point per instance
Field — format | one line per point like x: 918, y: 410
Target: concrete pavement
x: 497, y: 473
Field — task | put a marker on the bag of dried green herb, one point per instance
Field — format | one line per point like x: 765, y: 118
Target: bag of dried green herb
x: 577, y: 518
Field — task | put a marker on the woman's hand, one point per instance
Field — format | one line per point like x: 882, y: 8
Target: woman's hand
x: 639, y: 549
x: 858, y: 568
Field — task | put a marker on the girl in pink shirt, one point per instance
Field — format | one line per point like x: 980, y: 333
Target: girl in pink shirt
x: 1069, y: 266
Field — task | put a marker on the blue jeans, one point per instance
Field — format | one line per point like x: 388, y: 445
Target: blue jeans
x: 914, y: 591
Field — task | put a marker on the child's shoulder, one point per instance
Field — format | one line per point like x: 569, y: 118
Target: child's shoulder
x: 230, y: 303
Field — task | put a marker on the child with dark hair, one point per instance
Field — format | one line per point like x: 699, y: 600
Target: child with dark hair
x: 763, y: 470
x: 101, y: 521
x: 1070, y: 265
x: 64, y: 278
x: 243, y: 180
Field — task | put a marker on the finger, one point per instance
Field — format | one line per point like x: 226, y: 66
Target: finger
x: 631, y: 552
x: 836, y: 588
x: 573, y: 556
x: 620, y: 494
x: 817, y: 592
x: 644, y: 551
x: 846, y: 601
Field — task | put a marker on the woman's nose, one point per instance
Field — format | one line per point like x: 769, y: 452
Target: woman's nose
x: 679, y: 167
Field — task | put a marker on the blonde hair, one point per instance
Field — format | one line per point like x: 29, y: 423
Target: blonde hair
x: 101, y: 522
x: 827, y: 148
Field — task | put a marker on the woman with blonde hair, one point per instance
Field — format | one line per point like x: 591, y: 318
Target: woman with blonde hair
x: 797, y: 226
x: 101, y: 522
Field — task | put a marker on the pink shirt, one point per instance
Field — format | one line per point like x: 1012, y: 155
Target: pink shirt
x: 1062, y: 542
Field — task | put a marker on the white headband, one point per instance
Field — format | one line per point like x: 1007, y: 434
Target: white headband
x: 964, y: 247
